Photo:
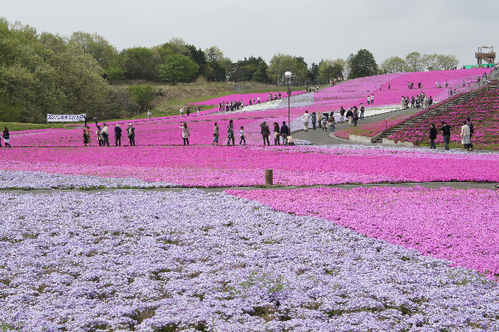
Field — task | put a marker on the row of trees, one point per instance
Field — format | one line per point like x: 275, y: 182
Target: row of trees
x: 46, y: 73
x: 416, y: 61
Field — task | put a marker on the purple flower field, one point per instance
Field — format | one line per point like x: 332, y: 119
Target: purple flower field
x: 195, y: 261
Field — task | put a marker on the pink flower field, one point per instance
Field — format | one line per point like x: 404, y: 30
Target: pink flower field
x: 209, y: 166
x: 458, y: 225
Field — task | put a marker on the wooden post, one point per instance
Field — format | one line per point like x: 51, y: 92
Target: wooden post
x: 269, y: 177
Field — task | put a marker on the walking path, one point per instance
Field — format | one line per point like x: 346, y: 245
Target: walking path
x: 324, y: 137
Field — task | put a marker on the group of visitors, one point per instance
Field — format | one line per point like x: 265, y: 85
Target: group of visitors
x: 410, y: 85
x: 282, y: 131
x: 417, y: 102
x: 187, y: 112
x: 370, y: 100
x: 103, y: 135
x: 467, y: 131
x: 312, y: 88
x: 6, y: 138
x: 319, y: 120
x: 231, y: 106
x: 276, y: 96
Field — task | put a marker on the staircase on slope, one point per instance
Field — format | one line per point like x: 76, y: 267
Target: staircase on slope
x: 410, y: 122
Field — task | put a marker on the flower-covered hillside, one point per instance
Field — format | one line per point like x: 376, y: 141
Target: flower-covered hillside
x: 483, y: 111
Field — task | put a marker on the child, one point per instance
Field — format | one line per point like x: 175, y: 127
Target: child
x: 324, y: 123
x: 241, y: 132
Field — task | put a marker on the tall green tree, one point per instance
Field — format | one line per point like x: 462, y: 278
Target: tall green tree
x: 393, y: 64
x: 362, y: 64
x: 331, y: 69
x: 99, y: 48
x: 40, y: 74
x: 313, y: 71
x: 414, y: 62
x: 178, y: 68
x: 139, y: 63
x: 281, y: 63
x: 142, y: 94
x: 218, y: 66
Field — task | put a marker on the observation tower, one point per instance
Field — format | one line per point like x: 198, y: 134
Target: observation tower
x: 485, y: 53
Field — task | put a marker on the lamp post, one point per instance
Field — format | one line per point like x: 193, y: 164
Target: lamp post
x: 288, y: 75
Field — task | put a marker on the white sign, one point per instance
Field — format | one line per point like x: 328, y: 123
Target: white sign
x: 66, y: 117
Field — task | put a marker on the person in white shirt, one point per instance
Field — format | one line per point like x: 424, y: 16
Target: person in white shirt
x: 306, y: 120
x: 105, y: 135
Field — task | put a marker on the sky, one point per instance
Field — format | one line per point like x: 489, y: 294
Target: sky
x: 315, y: 30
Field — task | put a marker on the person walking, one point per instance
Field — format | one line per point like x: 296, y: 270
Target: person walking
x: 465, y: 136
x: 314, y: 120
x: 188, y: 111
x: 306, y: 120
x: 96, y: 120
x: 216, y: 134
x: 277, y: 134
x: 332, y: 124
x: 149, y: 113
x: 105, y: 135
x: 342, y: 114
x: 230, y: 133
x: 284, y: 133
x: 198, y: 109
x: 181, y: 110
x: 241, y: 134
x: 185, y: 133
x: 86, y: 136
x: 131, y: 134
x: 433, y: 136
x: 265, y: 131
x: 446, y: 134
x: 100, y: 138
x: 472, y: 131
x: 362, y: 110
x: 117, y: 135
x: 350, y: 117
x: 319, y: 120
x: 6, y: 137
x: 355, y: 116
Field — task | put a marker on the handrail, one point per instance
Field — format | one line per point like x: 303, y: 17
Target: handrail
x: 462, y: 92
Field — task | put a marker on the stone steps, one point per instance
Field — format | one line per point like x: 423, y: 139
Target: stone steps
x: 431, y: 113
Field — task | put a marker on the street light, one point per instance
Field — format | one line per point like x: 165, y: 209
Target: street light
x: 288, y: 76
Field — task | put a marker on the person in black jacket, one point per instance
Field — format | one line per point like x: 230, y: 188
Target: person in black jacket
x: 117, y: 135
x: 284, y: 133
x: 6, y: 137
x: 350, y: 117
x: 446, y: 134
x: 265, y: 131
x: 433, y: 136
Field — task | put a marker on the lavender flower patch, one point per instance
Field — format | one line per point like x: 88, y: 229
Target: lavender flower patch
x: 41, y: 180
x: 195, y: 261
